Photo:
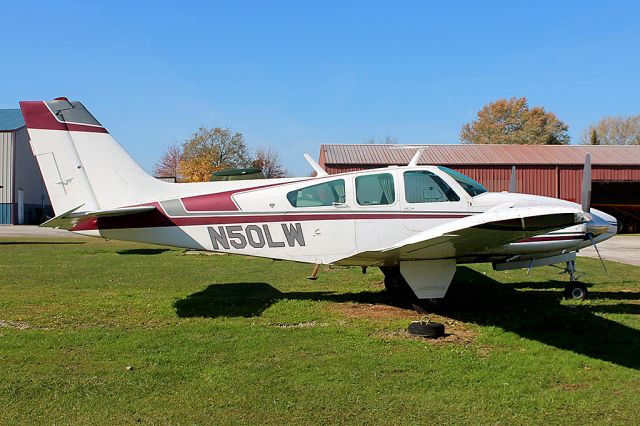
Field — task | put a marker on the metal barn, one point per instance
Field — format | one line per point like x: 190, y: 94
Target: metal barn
x: 23, y: 197
x: 549, y: 170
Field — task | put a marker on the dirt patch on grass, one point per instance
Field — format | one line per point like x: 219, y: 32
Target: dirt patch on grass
x: 373, y: 311
x: 18, y: 325
x: 455, y: 331
x: 456, y: 334
x: 307, y: 324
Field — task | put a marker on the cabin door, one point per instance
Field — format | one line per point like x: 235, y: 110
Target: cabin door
x: 428, y: 201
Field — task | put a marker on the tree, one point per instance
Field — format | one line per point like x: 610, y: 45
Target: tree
x: 268, y: 160
x: 613, y: 131
x: 593, y: 139
x: 211, y: 150
x: 168, y: 164
x: 388, y: 140
x: 511, y: 121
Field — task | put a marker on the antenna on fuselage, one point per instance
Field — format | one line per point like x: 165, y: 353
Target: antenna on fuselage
x: 415, y: 158
x: 319, y: 170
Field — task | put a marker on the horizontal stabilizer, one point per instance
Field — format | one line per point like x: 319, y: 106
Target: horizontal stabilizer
x: 69, y: 219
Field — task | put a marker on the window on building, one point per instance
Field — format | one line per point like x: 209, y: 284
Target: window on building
x: 375, y: 189
x: 423, y: 186
x: 323, y: 194
x: 472, y: 187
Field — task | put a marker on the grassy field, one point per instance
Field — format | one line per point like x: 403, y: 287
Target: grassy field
x: 236, y: 340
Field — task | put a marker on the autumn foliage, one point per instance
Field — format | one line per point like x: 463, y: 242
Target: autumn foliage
x: 613, y: 131
x: 268, y: 160
x: 168, y: 164
x: 211, y: 150
x: 511, y: 121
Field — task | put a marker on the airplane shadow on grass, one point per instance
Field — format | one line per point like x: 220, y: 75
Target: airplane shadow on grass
x: 143, y: 251
x: 473, y: 297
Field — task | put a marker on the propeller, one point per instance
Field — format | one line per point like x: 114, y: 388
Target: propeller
x: 513, y: 184
x: 594, y: 223
x: 586, y: 184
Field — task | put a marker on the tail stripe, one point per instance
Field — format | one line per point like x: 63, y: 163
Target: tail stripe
x: 38, y: 116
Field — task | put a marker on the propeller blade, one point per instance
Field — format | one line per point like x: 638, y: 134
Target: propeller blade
x: 598, y: 253
x: 512, y: 181
x: 586, y: 184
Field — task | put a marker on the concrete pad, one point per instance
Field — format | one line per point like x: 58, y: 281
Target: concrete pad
x: 35, y: 231
x: 621, y: 248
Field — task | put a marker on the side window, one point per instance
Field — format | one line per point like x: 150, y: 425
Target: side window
x: 323, y: 194
x: 375, y: 189
x: 423, y: 186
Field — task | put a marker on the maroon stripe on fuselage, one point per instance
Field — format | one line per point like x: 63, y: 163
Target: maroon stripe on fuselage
x: 220, y: 201
x: 38, y: 116
x: 156, y: 218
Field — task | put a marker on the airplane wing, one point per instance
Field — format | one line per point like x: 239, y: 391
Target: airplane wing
x: 475, y: 235
x: 68, y: 220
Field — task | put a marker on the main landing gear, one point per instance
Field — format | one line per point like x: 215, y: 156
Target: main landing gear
x: 395, y: 283
x: 575, y: 290
x: 398, y: 287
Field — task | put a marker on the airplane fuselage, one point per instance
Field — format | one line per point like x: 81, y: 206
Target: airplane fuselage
x: 258, y: 218
x: 415, y: 222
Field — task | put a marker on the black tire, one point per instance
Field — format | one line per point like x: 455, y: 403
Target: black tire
x: 426, y: 329
x: 576, y: 291
x: 394, y: 282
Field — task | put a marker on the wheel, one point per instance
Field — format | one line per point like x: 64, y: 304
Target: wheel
x: 576, y: 290
x: 394, y: 282
x: 426, y: 329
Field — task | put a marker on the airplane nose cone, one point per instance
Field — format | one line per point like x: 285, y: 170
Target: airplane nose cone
x: 602, y: 224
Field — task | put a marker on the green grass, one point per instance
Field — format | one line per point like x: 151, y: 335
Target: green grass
x: 236, y: 340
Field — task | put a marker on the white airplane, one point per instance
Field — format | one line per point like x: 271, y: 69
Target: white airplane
x: 415, y: 223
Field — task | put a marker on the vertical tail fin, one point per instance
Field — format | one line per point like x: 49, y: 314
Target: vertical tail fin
x: 81, y: 163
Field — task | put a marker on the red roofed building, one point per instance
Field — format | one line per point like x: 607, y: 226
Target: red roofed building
x: 549, y: 170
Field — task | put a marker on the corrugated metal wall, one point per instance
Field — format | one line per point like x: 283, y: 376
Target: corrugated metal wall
x: 530, y: 180
x: 551, y: 181
x: 6, y: 176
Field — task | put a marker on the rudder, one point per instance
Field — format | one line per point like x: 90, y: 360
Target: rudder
x: 81, y: 163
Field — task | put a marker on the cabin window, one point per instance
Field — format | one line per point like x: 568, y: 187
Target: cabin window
x: 323, y: 194
x: 472, y: 187
x: 423, y: 186
x: 374, y: 190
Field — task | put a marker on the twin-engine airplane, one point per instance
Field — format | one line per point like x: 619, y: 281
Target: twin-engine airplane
x: 414, y: 222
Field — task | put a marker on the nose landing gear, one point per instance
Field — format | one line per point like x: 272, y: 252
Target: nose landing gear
x: 575, y: 289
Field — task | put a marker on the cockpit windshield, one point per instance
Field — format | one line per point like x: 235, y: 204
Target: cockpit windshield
x: 472, y: 187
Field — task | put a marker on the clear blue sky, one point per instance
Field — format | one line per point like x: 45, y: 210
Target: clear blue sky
x: 297, y: 74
